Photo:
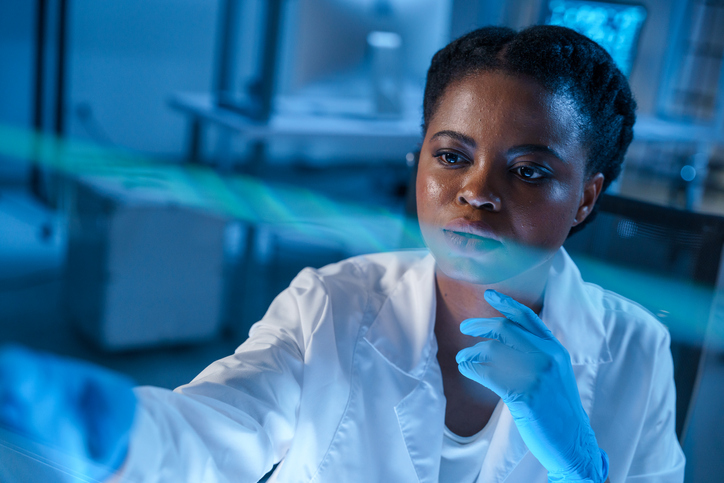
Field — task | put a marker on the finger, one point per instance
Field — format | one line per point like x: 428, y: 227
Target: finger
x: 502, y: 329
x: 518, y: 313
x: 490, y: 368
x: 491, y: 352
x: 108, y: 409
x: 473, y: 325
x: 480, y: 373
x: 480, y: 352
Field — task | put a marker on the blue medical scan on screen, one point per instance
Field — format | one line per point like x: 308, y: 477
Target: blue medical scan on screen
x: 614, y: 26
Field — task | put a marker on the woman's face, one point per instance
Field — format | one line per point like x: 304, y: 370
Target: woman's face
x: 502, y: 177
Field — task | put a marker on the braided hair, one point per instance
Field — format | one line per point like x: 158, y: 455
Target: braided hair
x: 563, y: 62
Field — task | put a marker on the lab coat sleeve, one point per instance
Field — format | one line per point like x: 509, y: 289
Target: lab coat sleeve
x: 237, y: 418
x: 658, y: 456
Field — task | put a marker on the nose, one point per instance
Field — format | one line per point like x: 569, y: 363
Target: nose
x: 478, y: 191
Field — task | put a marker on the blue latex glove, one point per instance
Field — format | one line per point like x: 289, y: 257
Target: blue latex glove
x: 531, y: 371
x: 71, y: 416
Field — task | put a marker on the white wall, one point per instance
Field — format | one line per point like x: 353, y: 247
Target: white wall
x: 128, y: 56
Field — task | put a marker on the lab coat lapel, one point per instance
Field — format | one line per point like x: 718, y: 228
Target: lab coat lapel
x: 421, y: 415
x: 403, y: 330
x: 403, y: 334
x: 574, y: 314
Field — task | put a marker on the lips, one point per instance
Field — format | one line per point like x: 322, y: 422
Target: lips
x: 471, y: 235
x: 477, y: 229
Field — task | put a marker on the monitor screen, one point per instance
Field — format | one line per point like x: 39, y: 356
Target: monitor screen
x: 615, y: 26
x: 329, y: 38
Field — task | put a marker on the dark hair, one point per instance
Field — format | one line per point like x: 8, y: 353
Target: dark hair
x: 563, y: 62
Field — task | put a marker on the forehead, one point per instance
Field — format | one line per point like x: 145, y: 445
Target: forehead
x: 491, y: 102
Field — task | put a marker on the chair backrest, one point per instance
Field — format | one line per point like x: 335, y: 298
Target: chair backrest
x: 665, y: 259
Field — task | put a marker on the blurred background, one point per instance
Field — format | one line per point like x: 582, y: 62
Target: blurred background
x: 167, y: 166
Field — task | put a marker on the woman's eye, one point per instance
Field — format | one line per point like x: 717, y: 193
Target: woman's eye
x: 450, y: 158
x: 529, y: 172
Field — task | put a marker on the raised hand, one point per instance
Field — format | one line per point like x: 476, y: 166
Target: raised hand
x: 524, y: 364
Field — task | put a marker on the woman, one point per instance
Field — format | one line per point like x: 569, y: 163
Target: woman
x: 486, y: 359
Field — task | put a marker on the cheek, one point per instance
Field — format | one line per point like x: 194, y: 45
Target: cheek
x: 565, y: 200
x: 545, y: 221
x: 429, y: 193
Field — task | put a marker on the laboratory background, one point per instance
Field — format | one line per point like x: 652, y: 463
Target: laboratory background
x: 168, y: 166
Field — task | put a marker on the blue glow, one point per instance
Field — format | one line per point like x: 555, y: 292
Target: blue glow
x: 61, y: 416
x: 614, y: 26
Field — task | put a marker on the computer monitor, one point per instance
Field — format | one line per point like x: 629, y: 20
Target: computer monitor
x: 317, y: 52
x: 328, y: 36
x: 328, y: 56
x: 615, y: 26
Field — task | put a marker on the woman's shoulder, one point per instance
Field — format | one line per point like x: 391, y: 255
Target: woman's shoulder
x: 627, y: 321
x: 376, y: 272
x: 603, y: 316
x: 338, y: 298
x: 615, y: 312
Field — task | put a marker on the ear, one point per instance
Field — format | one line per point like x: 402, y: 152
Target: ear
x: 591, y: 192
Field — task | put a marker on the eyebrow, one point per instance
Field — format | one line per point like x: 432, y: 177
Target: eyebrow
x: 534, y: 148
x: 515, y: 151
x: 457, y: 136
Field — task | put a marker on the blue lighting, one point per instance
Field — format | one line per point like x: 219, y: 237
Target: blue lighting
x: 614, y: 26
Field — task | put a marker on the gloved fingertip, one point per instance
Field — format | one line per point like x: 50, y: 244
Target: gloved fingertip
x: 477, y: 324
x: 492, y: 296
x: 466, y: 355
x: 466, y: 326
x: 465, y: 368
x: 498, y: 300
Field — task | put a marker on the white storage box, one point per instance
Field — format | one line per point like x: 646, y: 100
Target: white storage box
x: 142, y: 270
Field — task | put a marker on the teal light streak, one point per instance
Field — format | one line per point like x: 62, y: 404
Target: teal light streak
x: 687, y: 309
x: 682, y: 306
x: 244, y: 198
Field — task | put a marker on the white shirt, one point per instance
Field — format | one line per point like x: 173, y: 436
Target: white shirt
x: 340, y: 382
x: 462, y: 456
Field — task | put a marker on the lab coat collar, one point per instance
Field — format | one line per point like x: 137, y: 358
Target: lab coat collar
x: 408, y: 344
x: 421, y: 416
x: 573, y: 314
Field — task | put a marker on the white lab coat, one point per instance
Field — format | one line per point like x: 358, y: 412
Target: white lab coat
x: 340, y: 382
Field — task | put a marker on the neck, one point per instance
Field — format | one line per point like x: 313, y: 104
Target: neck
x: 458, y: 300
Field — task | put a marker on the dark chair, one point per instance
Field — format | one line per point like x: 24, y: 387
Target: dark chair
x: 667, y: 260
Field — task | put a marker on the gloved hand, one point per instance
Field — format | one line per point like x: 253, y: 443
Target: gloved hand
x: 531, y: 371
x: 67, y: 415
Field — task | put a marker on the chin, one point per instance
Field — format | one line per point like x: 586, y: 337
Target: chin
x: 466, y: 270
x: 493, y: 267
